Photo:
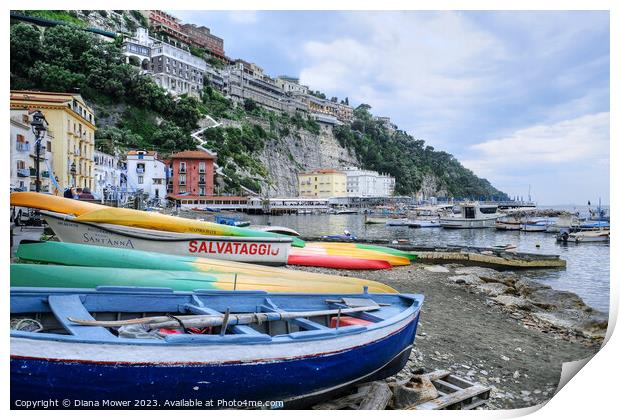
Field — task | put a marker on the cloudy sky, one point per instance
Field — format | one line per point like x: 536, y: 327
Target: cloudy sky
x: 521, y: 98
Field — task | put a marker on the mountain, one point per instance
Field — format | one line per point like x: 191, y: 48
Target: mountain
x: 257, y: 149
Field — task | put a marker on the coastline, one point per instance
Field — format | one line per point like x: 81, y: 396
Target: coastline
x: 498, y: 329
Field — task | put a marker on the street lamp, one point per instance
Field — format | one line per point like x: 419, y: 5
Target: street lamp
x: 39, y: 128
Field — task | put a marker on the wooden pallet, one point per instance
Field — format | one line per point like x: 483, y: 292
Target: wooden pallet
x: 454, y: 393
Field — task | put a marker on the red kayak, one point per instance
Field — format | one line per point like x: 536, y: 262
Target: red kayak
x: 334, y: 261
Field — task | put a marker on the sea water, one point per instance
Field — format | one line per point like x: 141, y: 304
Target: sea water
x: 587, y: 264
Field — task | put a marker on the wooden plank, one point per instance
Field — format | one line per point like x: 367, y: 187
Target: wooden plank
x: 377, y: 398
x: 451, y: 400
x: 459, y: 382
x: 446, y: 385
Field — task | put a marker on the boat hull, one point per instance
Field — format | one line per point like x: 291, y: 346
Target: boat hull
x: 462, y: 223
x: 151, y: 374
x: 534, y: 228
x: 507, y: 226
x: 268, y: 251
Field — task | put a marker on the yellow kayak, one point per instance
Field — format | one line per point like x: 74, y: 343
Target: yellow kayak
x: 53, y: 203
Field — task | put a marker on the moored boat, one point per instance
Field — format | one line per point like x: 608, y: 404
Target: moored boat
x: 507, y: 223
x: 261, y: 250
x: 375, y: 220
x: 539, y: 225
x: 584, y: 236
x: 425, y: 223
x: 94, y: 346
x: 472, y: 216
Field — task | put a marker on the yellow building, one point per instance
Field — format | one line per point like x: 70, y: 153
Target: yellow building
x: 72, y: 125
x: 323, y: 183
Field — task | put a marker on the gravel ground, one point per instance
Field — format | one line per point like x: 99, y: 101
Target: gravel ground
x: 462, y: 330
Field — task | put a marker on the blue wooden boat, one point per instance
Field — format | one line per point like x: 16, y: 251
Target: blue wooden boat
x: 67, y: 344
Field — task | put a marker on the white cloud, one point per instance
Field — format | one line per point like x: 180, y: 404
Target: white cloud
x: 570, y: 155
x: 243, y: 16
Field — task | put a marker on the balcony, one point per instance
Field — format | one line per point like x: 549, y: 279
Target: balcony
x: 23, y: 172
x: 45, y: 174
x: 22, y: 147
x: 139, y: 170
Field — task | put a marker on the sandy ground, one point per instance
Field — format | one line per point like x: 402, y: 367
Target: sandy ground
x: 465, y: 332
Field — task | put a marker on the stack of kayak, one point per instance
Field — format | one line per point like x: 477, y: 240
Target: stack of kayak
x: 350, y: 256
x: 79, y: 222
x: 61, y: 264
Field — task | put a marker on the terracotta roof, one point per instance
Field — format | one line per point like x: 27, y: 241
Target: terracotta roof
x: 192, y: 154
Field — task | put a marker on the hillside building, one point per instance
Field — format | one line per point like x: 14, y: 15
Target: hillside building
x: 110, y: 177
x: 322, y: 183
x: 146, y: 173
x: 72, y: 133
x: 192, y: 173
x: 23, y: 155
x: 364, y: 183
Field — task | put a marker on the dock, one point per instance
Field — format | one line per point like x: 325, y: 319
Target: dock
x: 497, y: 258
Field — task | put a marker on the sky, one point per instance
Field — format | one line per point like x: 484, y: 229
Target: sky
x: 520, y: 98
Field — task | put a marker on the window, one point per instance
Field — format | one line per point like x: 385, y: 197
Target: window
x: 182, y: 179
x: 201, y: 191
x: 202, y: 167
x: 140, y: 179
x: 182, y: 167
x: 25, y: 118
x: 201, y: 179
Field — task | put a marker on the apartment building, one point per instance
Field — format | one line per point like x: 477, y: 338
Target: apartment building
x: 322, y: 183
x: 173, y: 68
x: 364, y: 183
x: 71, y: 127
x: 201, y: 37
x: 110, y: 176
x: 23, y: 155
x: 192, y: 173
x: 146, y: 173
x: 165, y: 23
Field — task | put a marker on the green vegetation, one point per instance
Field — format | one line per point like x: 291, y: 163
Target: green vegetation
x: 408, y: 159
x: 67, y: 16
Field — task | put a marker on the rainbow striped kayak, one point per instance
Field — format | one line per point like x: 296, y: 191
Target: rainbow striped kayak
x: 176, y: 272
x: 352, y: 250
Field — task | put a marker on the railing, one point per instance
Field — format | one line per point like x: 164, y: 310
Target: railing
x: 22, y: 147
x: 23, y: 172
x: 139, y: 170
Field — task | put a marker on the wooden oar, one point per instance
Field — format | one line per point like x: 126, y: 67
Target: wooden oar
x: 201, y: 321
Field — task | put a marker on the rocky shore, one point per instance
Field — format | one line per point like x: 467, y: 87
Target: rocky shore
x: 498, y: 329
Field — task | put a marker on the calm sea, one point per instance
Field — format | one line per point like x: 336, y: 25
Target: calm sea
x: 587, y: 265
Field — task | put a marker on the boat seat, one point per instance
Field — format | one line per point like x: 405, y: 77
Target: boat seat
x: 307, y: 324
x: 65, y: 306
x: 203, y: 310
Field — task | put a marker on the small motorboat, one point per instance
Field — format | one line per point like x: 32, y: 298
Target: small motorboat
x: 508, y: 223
x: 152, y: 344
x: 423, y: 223
x: 539, y: 225
x: 399, y: 222
x: 471, y: 216
x: 584, y: 236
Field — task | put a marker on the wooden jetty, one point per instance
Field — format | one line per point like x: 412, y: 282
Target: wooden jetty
x: 498, y: 258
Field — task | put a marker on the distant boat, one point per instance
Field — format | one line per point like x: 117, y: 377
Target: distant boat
x: 231, y: 221
x: 376, y: 220
x: 422, y: 223
x: 346, y: 211
x: 472, y: 216
x: 508, y: 223
x: 399, y: 222
x: 593, y: 225
x: 584, y: 236
x: 97, y: 344
x: 539, y: 225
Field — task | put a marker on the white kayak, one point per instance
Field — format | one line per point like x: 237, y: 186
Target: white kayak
x: 258, y: 250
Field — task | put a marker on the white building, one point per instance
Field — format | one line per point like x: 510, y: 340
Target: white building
x: 23, y: 155
x: 146, y: 173
x: 110, y: 177
x: 173, y: 68
x: 363, y: 183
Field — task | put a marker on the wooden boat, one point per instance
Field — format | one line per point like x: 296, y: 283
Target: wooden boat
x: 472, y: 216
x: 265, y: 250
x: 225, y: 275
x: 96, y: 213
x: 96, y: 345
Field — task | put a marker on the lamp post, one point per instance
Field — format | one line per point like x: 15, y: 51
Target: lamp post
x: 39, y: 128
